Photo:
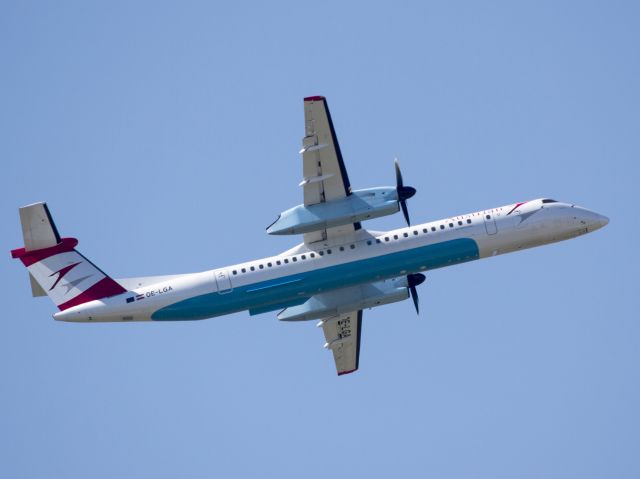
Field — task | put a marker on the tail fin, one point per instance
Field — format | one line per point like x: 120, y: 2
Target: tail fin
x: 55, y: 267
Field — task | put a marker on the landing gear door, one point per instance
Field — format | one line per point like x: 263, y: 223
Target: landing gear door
x: 490, y: 223
x: 223, y: 281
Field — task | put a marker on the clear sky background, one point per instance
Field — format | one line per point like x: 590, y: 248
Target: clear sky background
x: 165, y: 135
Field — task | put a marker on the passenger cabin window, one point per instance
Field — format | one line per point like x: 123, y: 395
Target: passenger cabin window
x: 312, y: 255
x: 294, y: 259
x: 395, y: 236
x: 459, y: 223
x: 303, y: 256
x: 321, y: 253
x: 261, y: 266
x: 468, y: 221
x: 450, y: 225
x: 286, y: 260
x: 278, y: 263
x: 488, y: 217
x: 406, y: 235
x: 269, y: 265
x: 235, y: 272
x: 369, y: 242
x: 352, y: 246
x: 441, y: 227
x: 252, y: 268
x: 244, y: 270
x: 341, y: 248
x: 415, y: 233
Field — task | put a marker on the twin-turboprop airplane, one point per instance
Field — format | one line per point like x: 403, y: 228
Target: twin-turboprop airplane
x: 339, y: 270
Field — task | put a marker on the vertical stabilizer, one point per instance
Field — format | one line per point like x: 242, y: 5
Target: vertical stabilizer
x: 38, y: 229
x: 55, y: 267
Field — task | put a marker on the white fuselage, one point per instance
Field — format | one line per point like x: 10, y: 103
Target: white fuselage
x: 273, y: 283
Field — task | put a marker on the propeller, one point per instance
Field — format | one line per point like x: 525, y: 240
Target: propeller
x: 404, y: 192
x: 414, y: 280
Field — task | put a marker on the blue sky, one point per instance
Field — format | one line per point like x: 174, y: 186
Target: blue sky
x: 165, y: 135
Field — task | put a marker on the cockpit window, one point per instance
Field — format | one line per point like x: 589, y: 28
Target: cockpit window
x: 549, y: 201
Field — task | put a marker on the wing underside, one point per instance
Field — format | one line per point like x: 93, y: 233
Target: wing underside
x: 324, y: 174
x: 342, y: 334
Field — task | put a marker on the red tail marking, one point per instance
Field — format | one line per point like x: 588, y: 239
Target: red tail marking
x: 30, y: 257
x: 102, y: 289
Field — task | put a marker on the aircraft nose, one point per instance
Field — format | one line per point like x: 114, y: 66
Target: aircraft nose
x: 603, y: 220
x: 596, y: 221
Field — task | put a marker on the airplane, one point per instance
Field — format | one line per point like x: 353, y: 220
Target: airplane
x: 338, y: 270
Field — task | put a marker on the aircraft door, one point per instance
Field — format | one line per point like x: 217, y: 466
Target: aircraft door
x: 223, y: 281
x: 490, y: 223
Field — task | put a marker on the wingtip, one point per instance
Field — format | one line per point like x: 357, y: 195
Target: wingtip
x: 341, y: 373
x: 314, y: 98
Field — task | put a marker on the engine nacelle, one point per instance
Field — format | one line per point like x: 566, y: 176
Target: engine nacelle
x: 359, y: 206
x: 334, y: 303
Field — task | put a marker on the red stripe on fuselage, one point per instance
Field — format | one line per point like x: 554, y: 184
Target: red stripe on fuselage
x: 516, y: 207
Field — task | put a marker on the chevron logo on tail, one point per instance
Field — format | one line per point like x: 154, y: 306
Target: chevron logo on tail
x: 62, y: 272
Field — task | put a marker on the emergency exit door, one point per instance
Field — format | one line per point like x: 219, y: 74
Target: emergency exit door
x: 223, y: 281
x: 490, y: 223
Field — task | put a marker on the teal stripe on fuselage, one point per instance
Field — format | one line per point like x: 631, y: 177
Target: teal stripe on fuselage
x: 267, y: 295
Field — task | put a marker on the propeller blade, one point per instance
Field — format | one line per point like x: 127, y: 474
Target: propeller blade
x: 404, y: 192
x: 414, y: 295
x: 399, y: 182
x: 414, y: 280
x: 405, y: 211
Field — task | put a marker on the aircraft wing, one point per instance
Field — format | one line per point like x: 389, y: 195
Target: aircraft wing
x: 343, y: 338
x: 324, y: 174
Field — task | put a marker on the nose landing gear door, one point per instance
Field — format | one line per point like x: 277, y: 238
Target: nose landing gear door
x: 490, y: 223
x: 223, y: 281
